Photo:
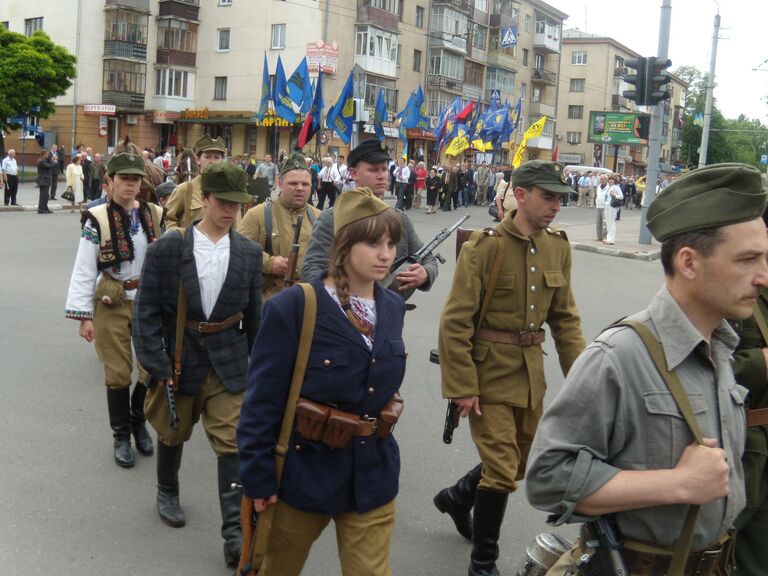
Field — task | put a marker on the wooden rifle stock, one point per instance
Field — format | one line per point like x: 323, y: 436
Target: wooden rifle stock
x: 248, y: 524
x: 293, y: 257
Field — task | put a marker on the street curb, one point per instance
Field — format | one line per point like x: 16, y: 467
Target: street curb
x: 29, y: 208
x: 648, y: 256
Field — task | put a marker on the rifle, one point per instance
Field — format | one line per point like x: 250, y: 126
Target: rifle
x: 293, y: 257
x: 403, y: 263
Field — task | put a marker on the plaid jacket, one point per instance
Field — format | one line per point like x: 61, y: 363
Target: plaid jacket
x: 169, y: 259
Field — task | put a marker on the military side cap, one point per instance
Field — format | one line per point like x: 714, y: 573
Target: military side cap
x: 370, y: 151
x: 294, y: 162
x: 709, y: 197
x: 541, y: 173
x: 226, y: 182
x: 126, y: 163
x: 165, y: 189
x: 208, y: 143
x: 354, y: 205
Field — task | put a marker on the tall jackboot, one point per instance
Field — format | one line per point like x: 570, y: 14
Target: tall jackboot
x: 489, y: 514
x: 139, y: 422
x: 457, y: 501
x: 168, y: 464
x: 229, y: 500
x: 119, y: 404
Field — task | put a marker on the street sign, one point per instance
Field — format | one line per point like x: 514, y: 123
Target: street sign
x: 508, y: 36
x: 495, y: 95
x: 764, y: 159
x: 323, y: 137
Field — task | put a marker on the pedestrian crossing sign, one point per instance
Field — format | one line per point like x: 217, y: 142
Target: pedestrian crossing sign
x: 509, y: 36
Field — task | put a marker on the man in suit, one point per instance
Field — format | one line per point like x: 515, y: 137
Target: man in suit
x: 220, y: 272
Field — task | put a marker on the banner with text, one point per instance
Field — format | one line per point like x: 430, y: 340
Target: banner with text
x: 618, y: 128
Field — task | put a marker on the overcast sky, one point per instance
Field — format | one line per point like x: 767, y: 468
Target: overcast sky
x: 743, y: 41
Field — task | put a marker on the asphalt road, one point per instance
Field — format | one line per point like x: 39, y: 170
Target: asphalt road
x: 65, y: 507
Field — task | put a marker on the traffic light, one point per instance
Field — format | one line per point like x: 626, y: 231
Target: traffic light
x: 657, y: 78
x: 636, y: 80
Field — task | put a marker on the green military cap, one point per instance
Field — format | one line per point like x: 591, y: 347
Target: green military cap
x: 208, y: 143
x: 541, y: 173
x: 226, y: 182
x: 708, y: 197
x: 295, y: 161
x: 126, y: 163
x: 354, y: 205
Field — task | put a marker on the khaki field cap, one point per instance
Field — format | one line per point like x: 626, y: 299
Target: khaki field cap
x: 546, y: 175
x: 709, y: 197
x: 207, y: 143
x: 226, y: 182
x: 126, y: 163
x: 354, y: 205
x: 294, y: 162
x: 370, y: 151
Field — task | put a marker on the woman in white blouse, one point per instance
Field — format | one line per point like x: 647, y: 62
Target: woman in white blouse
x: 615, y: 196
x: 75, y: 180
x: 505, y: 195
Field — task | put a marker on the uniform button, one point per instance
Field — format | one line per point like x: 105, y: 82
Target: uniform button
x: 371, y: 390
x: 533, y: 250
x: 298, y: 447
x: 533, y: 288
x: 326, y: 362
x: 406, y: 353
x: 531, y: 325
x: 533, y: 268
x: 362, y: 442
x: 365, y: 416
x: 533, y: 307
x: 373, y: 360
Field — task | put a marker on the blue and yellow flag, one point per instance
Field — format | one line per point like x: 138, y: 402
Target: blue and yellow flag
x: 300, y: 87
x: 534, y: 131
x: 264, y: 104
x: 281, y: 98
x: 341, y: 116
x: 380, y: 115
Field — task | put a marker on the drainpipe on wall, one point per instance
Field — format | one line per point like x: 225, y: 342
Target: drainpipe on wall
x: 77, y: 76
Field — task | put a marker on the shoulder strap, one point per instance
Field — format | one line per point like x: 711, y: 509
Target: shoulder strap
x: 311, y: 215
x: 268, y: 228
x: 683, y: 544
x: 761, y: 324
x: 181, y: 320
x: 495, y: 271
x: 297, y: 379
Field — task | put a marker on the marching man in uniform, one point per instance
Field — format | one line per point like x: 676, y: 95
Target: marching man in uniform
x: 113, y: 242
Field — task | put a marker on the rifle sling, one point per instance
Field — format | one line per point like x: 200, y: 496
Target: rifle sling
x: 495, y: 272
x: 268, y: 224
x: 761, y: 324
x: 683, y: 544
x: 181, y: 320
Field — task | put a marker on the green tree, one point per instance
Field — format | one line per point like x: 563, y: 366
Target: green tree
x: 33, y: 71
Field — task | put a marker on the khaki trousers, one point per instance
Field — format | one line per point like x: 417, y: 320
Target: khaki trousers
x: 503, y: 436
x: 363, y: 540
x: 112, y: 327
x: 219, y: 408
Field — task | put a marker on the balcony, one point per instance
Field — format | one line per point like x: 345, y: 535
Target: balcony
x: 501, y: 21
x: 123, y: 49
x: 541, y: 76
x: 377, y: 66
x: 439, y: 82
x: 499, y: 59
x: 123, y: 100
x: 139, y: 5
x: 477, y: 54
x: 378, y: 17
x: 450, y: 41
x: 461, y: 5
x: 184, y: 9
x: 541, y: 109
x: 547, y: 42
x: 543, y: 142
x: 177, y: 58
x: 619, y: 103
x: 472, y: 92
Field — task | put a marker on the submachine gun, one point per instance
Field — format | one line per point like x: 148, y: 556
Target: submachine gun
x: 403, y: 263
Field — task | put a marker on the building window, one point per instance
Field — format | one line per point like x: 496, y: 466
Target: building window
x: 438, y: 101
x: 220, y: 88
x: 5, y: 24
x: 577, y: 85
x: 377, y: 43
x: 225, y: 2
x: 126, y: 26
x: 392, y: 6
x: 417, y: 60
x: 124, y: 76
x: 500, y: 79
x: 523, y: 90
x: 170, y: 82
x: 222, y: 44
x: 397, y: 54
x: 525, y: 56
x: 473, y: 73
x: 528, y: 22
x: 372, y: 86
x: 538, y: 62
x: 445, y: 63
x: 578, y: 57
x: 618, y: 62
x: 176, y: 35
x: 479, y: 35
x: 419, y: 17
x: 573, y: 137
x: 278, y: 36
x: 31, y: 25
x: 481, y: 5
x: 448, y: 22
x: 576, y: 112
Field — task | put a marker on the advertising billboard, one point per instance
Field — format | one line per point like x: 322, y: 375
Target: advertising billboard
x: 618, y: 128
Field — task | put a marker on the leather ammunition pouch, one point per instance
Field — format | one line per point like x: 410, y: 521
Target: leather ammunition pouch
x: 389, y: 416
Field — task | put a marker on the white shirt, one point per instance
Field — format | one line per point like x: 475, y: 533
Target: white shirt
x: 10, y: 166
x: 402, y: 173
x: 212, y: 262
x: 601, y: 196
x: 329, y: 174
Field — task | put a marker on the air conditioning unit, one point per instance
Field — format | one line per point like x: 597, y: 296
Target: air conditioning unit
x: 132, y: 119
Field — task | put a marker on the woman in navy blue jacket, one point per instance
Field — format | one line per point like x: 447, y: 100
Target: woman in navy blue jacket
x: 356, y: 365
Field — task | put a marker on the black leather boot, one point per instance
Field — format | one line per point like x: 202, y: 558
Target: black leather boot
x: 486, y: 525
x: 457, y: 501
x: 141, y: 436
x: 229, y: 500
x: 168, y: 463
x: 119, y: 404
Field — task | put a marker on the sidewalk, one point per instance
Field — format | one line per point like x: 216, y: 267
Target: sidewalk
x: 27, y: 196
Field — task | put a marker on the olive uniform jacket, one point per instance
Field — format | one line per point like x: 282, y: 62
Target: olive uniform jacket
x: 534, y: 288
x: 750, y: 370
x: 283, y: 222
x: 170, y: 259
x: 185, y: 205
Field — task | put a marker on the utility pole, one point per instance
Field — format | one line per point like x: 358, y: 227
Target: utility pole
x: 654, y: 145
x: 710, y: 96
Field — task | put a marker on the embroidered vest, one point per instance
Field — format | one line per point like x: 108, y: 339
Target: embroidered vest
x: 114, y: 227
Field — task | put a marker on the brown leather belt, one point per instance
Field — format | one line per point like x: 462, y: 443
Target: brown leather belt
x: 522, y: 338
x: 367, y: 427
x: 131, y: 284
x: 758, y: 417
x: 701, y: 563
x: 213, y: 327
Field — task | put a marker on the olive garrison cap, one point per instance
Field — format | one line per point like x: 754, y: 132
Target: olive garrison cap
x: 226, y: 182
x: 294, y: 162
x: 541, y: 173
x: 126, y: 163
x: 165, y: 189
x: 708, y: 197
x: 370, y: 151
x: 207, y: 143
x: 354, y: 205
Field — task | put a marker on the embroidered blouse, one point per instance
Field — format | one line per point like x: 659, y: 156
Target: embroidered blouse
x: 364, y: 309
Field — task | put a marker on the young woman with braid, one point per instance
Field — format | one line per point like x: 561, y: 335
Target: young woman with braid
x: 343, y: 462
